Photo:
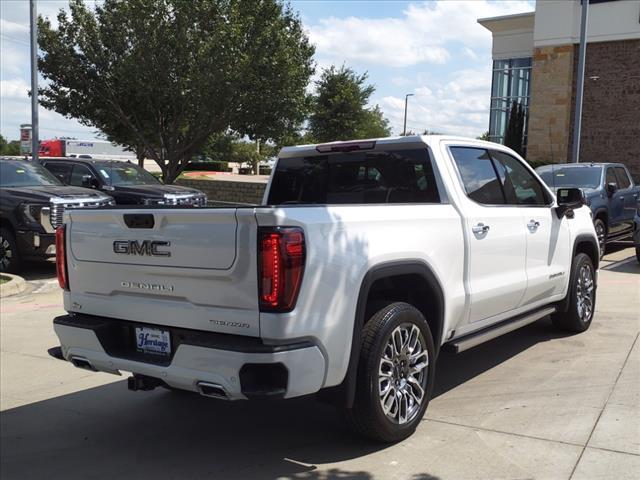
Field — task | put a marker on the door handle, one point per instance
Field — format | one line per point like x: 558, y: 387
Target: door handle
x: 480, y: 228
x: 533, y: 225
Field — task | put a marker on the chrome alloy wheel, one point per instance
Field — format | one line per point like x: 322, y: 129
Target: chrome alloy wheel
x: 402, y: 374
x: 5, y: 253
x: 585, y: 293
x: 601, y: 233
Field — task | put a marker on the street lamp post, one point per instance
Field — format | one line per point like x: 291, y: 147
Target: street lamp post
x: 406, y: 99
x: 35, y: 144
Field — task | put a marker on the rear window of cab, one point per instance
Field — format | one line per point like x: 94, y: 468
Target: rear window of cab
x: 374, y: 177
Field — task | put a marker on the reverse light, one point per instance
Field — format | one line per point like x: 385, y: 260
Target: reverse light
x: 281, y: 266
x: 61, y: 257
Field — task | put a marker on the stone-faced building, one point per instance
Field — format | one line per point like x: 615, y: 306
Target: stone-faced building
x: 535, y: 61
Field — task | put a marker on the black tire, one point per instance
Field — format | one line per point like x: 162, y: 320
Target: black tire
x: 367, y: 416
x: 601, y: 232
x: 576, y: 319
x: 638, y: 254
x: 9, y: 256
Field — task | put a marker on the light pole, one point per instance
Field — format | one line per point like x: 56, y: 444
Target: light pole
x: 406, y: 99
x: 582, y: 53
x: 35, y: 144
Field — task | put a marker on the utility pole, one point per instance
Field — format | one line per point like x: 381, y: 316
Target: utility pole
x: 406, y: 99
x: 35, y: 144
x: 577, y: 120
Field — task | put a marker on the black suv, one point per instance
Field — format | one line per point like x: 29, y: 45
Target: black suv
x: 32, y: 203
x: 127, y: 183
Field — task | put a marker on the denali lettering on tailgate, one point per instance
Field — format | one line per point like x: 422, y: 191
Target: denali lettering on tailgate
x: 150, y: 248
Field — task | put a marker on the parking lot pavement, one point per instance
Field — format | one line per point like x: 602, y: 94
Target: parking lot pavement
x: 531, y: 404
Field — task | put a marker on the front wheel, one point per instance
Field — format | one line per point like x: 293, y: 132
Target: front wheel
x: 582, y: 297
x: 9, y: 255
x: 601, y: 232
x: 395, y: 374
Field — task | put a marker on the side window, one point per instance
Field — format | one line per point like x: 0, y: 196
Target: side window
x: 623, y: 178
x: 611, y: 177
x: 60, y: 170
x: 79, y: 176
x: 521, y: 187
x: 478, y: 174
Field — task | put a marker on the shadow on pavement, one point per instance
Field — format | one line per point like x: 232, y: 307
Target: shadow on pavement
x: 107, y: 431
x: 44, y: 270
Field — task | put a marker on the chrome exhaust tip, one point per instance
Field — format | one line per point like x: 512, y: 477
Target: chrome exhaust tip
x: 82, y: 362
x: 212, y: 390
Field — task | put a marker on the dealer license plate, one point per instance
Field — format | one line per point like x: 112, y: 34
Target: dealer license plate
x: 153, y: 340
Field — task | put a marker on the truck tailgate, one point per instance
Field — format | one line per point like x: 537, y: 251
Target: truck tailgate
x: 190, y: 268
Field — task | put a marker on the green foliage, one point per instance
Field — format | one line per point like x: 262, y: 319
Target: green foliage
x: 229, y: 147
x: 513, y: 136
x: 339, y: 108
x: 484, y: 136
x: 161, y: 76
x: 11, y: 148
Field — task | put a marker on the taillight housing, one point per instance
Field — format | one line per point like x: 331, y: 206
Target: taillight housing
x: 61, y: 257
x: 281, y: 259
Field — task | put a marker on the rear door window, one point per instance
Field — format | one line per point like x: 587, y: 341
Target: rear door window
x: 399, y: 176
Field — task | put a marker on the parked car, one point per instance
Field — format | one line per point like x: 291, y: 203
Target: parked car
x: 126, y: 182
x: 366, y: 258
x: 32, y: 202
x: 609, y: 191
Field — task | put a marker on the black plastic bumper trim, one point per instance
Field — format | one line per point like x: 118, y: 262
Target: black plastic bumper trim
x: 117, y: 337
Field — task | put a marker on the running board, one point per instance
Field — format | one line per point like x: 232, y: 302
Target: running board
x: 473, y: 339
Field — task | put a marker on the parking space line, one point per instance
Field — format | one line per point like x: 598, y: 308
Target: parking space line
x: 624, y: 364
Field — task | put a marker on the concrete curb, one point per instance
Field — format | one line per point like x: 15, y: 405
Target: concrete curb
x: 13, y: 287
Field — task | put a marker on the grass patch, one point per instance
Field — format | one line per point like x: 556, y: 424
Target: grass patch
x: 4, y: 279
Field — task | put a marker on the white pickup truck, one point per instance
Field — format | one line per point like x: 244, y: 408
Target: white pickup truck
x: 364, y: 259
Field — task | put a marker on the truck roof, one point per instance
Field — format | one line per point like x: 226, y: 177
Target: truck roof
x: 409, y: 140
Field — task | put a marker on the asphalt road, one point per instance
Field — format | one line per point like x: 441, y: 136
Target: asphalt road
x: 531, y: 404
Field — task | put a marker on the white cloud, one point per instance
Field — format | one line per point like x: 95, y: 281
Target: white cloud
x: 15, y: 88
x: 419, y: 36
x: 456, y: 106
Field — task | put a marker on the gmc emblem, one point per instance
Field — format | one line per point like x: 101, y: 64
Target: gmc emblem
x: 150, y: 248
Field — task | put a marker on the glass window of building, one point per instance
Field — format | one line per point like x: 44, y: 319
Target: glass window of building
x: 511, y: 83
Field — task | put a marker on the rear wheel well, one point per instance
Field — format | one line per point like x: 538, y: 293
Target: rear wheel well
x: 413, y: 289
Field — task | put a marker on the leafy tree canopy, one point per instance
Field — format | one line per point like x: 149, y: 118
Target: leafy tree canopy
x: 339, y: 108
x: 11, y: 148
x: 163, y: 75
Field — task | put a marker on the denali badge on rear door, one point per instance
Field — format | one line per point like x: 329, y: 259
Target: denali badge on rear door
x: 150, y: 248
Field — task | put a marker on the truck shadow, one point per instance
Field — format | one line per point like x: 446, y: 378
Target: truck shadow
x: 107, y: 431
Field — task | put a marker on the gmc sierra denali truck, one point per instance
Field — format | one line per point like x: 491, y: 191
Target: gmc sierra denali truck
x: 363, y: 260
x: 32, y: 203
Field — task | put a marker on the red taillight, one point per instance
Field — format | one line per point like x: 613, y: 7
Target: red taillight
x: 281, y: 265
x: 61, y: 257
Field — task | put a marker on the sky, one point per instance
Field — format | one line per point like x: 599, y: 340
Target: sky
x: 434, y: 50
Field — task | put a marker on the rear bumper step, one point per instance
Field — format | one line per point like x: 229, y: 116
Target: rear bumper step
x: 469, y: 341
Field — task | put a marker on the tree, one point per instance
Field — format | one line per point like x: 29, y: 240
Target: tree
x: 160, y: 76
x: 339, y: 109
x: 515, y: 128
x: 11, y: 148
x: 484, y: 136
